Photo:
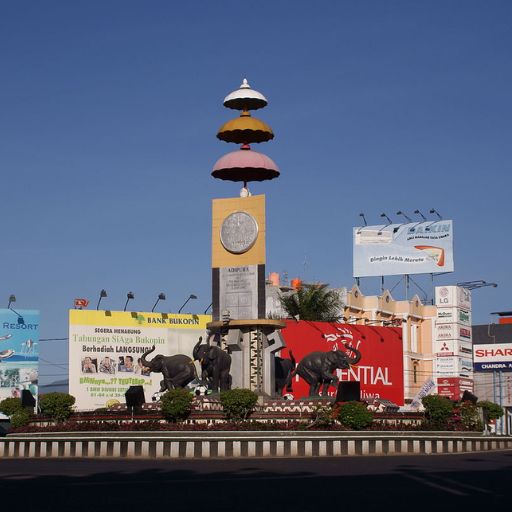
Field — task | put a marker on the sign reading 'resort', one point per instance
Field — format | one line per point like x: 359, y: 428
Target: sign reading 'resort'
x: 493, y: 357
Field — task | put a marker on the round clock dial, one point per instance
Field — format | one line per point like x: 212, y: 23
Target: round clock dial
x: 238, y: 232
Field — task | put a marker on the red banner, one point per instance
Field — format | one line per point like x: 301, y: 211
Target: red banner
x: 380, y: 370
x: 453, y: 387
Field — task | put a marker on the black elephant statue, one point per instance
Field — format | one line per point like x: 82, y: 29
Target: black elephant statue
x: 317, y: 368
x: 284, y: 374
x: 215, y: 365
x: 177, y: 370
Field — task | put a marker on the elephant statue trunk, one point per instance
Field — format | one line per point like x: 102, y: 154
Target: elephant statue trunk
x: 357, y: 358
x: 143, y: 359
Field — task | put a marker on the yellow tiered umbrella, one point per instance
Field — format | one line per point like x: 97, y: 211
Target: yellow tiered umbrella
x: 245, y: 130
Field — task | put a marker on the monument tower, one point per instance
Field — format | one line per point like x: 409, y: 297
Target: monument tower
x: 238, y: 248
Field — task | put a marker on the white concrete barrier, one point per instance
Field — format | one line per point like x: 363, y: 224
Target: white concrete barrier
x: 243, y: 444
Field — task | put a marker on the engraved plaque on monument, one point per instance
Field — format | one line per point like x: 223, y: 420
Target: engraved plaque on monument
x: 238, y: 291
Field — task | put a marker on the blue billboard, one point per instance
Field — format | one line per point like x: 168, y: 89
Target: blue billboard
x: 19, y: 352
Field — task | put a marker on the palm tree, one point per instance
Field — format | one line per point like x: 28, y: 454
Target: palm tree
x: 314, y: 303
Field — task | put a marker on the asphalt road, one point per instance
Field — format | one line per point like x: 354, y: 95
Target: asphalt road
x: 457, y: 483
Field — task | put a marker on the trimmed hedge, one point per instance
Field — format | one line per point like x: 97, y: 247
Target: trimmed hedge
x: 10, y: 406
x: 58, y: 406
x: 238, y: 403
x: 176, y: 404
x: 354, y: 415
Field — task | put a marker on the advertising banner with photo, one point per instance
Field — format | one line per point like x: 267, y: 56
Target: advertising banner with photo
x: 493, y: 357
x: 380, y: 369
x: 397, y: 249
x: 19, y: 352
x: 105, y: 350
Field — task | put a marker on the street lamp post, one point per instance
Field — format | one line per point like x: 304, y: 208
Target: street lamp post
x: 103, y: 294
x: 191, y: 296
x: 161, y: 296
x: 129, y: 297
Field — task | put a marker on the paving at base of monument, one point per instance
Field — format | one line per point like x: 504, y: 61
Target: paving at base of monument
x: 211, y: 445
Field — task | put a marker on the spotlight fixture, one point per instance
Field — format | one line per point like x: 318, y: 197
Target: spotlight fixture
x: 129, y: 296
x: 400, y: 212
x: 161, y: 296
x: 12, y: 298
x: 191, y: 296
x: 206, y: 310
x: 417, y: 212
x: 103, y: 294
x: 364, y: 219
x: 433, y: 210
x: 387, y: 218
x: 473, y: 285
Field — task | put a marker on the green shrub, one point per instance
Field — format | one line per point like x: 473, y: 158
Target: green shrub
x: 238, y: 403
x: 468, y: 414
x: 59, y: 406
x: 354, y: 415
x: 21, y: 418
x: 323, y: 416
x: 10, y: 406
x: 438, y: 411
x: 176, y: 404
x: 492, y: 411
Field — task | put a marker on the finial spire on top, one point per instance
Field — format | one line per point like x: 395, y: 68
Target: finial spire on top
x: 245, y: 98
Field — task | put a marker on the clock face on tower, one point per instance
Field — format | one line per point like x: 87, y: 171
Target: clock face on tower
x: 238, y: 232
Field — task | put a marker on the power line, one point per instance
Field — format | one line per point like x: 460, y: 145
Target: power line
x: 59, y: 365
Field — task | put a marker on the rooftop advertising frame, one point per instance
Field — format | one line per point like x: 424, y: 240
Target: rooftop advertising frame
x: 398, y: 249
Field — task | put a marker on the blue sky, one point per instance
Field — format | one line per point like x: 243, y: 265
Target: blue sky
x: 108, y: 116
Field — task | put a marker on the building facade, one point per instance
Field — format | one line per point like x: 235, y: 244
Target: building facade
x: 495, y: 385
x: 417, y: 321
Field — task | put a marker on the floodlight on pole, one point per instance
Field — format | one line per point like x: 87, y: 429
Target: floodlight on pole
x: 206, y: 310
x: 129, y: 296
x: 473, y: 285
x: 387, y: 218
x: 417, y: 212
x: 400, y: 212
x: 161, y: 296
x: 12, y: 298
x: 191, y: 296
x: 364, y: 218
x: 103, y: 294
x: 433, y: 210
